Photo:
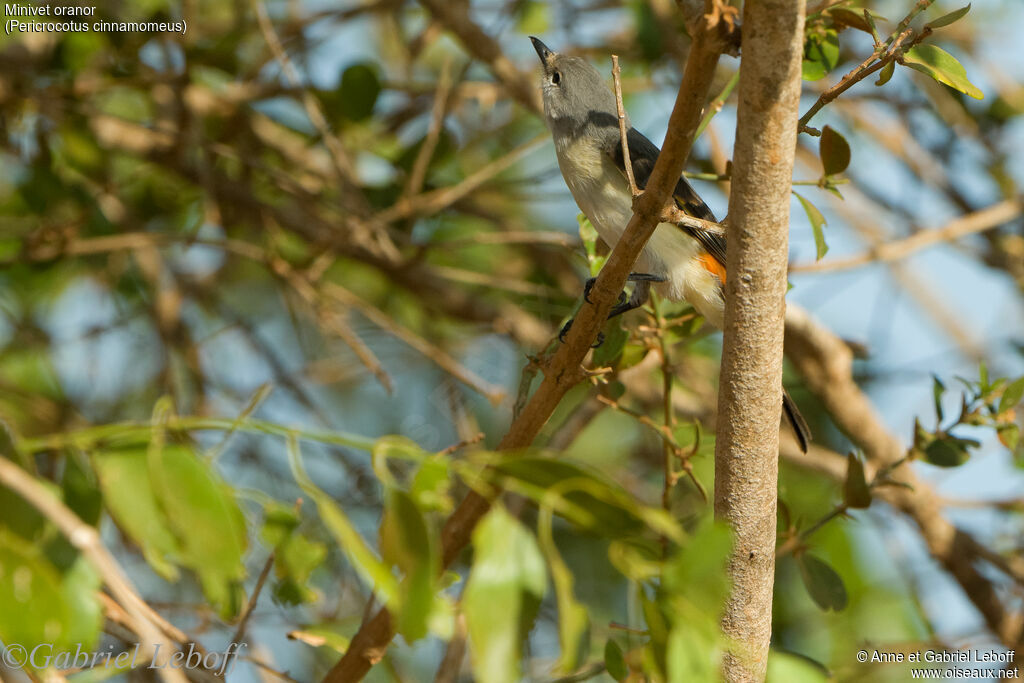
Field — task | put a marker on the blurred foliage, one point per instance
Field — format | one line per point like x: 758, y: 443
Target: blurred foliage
x: 199, y: 252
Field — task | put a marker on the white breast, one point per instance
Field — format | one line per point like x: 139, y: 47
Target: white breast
x: 602, y: 193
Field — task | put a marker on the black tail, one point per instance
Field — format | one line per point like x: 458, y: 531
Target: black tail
x: 803, y: 432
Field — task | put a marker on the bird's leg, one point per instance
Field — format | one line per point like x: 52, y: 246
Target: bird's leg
x: 633, y: 277
x: 638, y: 298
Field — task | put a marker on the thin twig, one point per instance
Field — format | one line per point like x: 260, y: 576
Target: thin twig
x: 439, y: 356
x: 251, y: 605
x: 885, y: 54
x: 621, y: 110
x: 430, y: 203
x: 419, y: 167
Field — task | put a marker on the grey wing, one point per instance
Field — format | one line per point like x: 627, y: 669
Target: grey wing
x: 642, y: 155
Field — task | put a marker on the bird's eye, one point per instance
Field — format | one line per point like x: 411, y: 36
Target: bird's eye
x: 556, y: 78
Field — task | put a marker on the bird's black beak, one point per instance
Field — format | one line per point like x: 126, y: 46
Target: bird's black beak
x: 542, y: 50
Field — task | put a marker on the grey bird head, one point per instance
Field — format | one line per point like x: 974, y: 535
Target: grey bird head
x: 575, y: 93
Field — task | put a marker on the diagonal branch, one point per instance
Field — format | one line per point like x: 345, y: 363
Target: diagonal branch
x: 563, y: 371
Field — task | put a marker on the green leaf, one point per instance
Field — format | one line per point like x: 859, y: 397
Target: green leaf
x: 32, y: 595
x: 430, y: 485
x: 784, y: 667
x: 589, y: 237
x: 586, y: 498
x: 847, y: 17
x: 573, y: 622
x: 698, y: 570
x: 81, y: 490
x: 533, y: 17
x: 362, y: 557
x: 656, y: 651
x: 408, y: 542
x: 817, y: 225
x: 943, y: 67
x: 886, y: 73
x: 359, y: 90
x: 1012, y: 395
x: 856, y: 492
x: 824, y: 49
x: 322, y: 636
x: 129, y: 497
x: 1009, y: 435
x: 947, y: 19
x: 506, y: 584
x: 946, y: 452
x: 295, y: 556
x: 938, y: 389
x: 80, y: 585
x: 834, y: 151
x: 202, y: 512
x: 615, y: 661
x: 812, y: 71
x: 822, y: 582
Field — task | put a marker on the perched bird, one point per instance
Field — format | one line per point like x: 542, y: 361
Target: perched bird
x: 680, y: 262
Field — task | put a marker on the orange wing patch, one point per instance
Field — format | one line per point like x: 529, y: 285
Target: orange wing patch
x: 712, y: 265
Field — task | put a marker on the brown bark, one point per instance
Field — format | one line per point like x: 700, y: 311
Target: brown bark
x: 564, y: 370
x: 750, y: 398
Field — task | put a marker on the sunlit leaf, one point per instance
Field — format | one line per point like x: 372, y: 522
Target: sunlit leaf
x: 1009, y: 435
x: 947, y: 19
x: 430, y: 485
x: 129, y: 497
x: 817, y: 225
x: 363, y: 559
x: 533, y: 17
x: 1012, y: 395
x: 407, y: 542
x: 701, y: 563
x: 942, y: 66
x: 572, y: 616
x: 506, y: 584
x: 30, y: 590
x: 205, y: 518
x: 886, y: 73
x: 295, y: 555
x: 938, y: 389
x: 843, y: 16
x: 321, y: 637
x: 785, y: 667
x: 812, y: 71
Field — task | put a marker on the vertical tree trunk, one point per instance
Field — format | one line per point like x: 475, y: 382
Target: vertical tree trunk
x: 750, y: 399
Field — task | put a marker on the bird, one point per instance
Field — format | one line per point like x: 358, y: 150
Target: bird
x: 681, y: 262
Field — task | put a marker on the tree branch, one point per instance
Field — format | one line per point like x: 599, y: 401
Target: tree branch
x: 563, y: 370
x: 750, y: 396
